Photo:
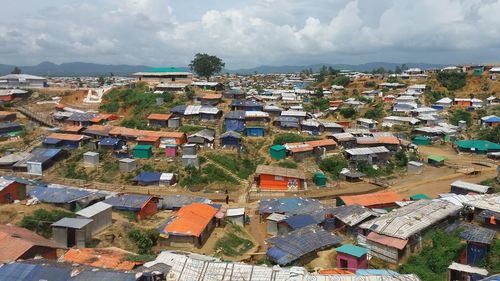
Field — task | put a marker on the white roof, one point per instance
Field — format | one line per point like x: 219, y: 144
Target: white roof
x: 233, y: 212
x: 367, y: 150
x: 166, y: 176
x: 91, y: 153
x: 468, y: 268
x: 250, y: 114
x: 366, y: 120
x: 192, y: 110
x: 470, y: 186
x: 4, y: 183
x: 93, y: 210
x: 415, y: 163
x: 402, y: 119
x: 127, y: 160
x: 445, y: 100
x: 21, y: 77
x: 458, y: 199
x: 294, y: 113
x: 209, y: 110
x: 205, y: 83
x: 276, y: 217
x: 488, y: 202
x: 409, y: 220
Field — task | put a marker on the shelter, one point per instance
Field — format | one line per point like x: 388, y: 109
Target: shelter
x: 69, y: 141
x: 275, y: 222
x: 10, y: 129
x: 19, y: 243
x: 348, y: 217
x: 320, y: 179
x: 254, y: 131
x: 277, y: 152
x: 422, y: 140
x: 286, y: 122
x: 190, y: 160
x: 7, y: 116
x: 278, y: 178
x: 41, y: 159
x: 234, y: 121
x: 386, y: 248
x: 462, y: 187
x: 351, y: 257
x: 111, y: 143
x: 148, y: 178
x: 99, y: 213
x: 158, y: 120
x: 486, y: 209
x: 190, y: 149
x: 144, y: 151
x: 351, y: 176
x: 112, y: 258
x: 371, y: 155
x: 143, y: 205
x: 371, y: 200
x: 189, y: 227
x: 11, y: 190
x: 299, y: 221
x: 457, y: 271
x: 236, y: 216
x: 72, y: 232
x: 203, y: 137
x: 67, y: 197
x: 246, y: 105
x: 436, y: 160
x: 479, y: 240
x: 127, y: 165
x: 91, y: 158
x: 230, y: 139
x: 477, y: 146
x: 297, y: 244
x: 175, y: 202
x: 170, y: 150
x: 9, y: 160
x: 414, y: 167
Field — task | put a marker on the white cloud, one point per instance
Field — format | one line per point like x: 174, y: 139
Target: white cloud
x: 256, y: 32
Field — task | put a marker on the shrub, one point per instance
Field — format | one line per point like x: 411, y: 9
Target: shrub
x: 333, y: 166
x: 342, y: 81
x: 452, y: 80
x: 490, y: 134
x: 144, y: 240
x: 287, y: 164
x: 233, y: 245
x: 40, y: 221
x: 348, y: 112
x: 375, y: 113
x: 459, y: 115
x: 291, y: 137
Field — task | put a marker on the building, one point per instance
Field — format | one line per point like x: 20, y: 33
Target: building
x: 458, y: 271
x: 190, y: 160
x: 112, y: 258
x: 477, y: 146
x: 189, y: 227
x: 414, y: 167
x: 351, y: 257
x: 277, y: 152
x: 203, y: 137
x: 230, y: 139
x: 462, y: 187
x: 371, y: 200
x: 70, y: 198
x: 7, y: 116
x: 143, y: 151
x: 11, y: 190
x: 370, y: 155
x: 22, y: 81
x: 127, y: 165
x: 236, y: 216
x: 234, y: 121
x: 99, y: 213
x: 158, y: 120
x: 486, y: 209
x: 162, y: 77
x: 366, y: 123
x: 111, y: 143
x: 68, y: 141
x: 278, y: 178
x: 91, y: 158
x: 435, y: 160
x: 275, y: 223
x: 211, y: 99
x: 18, y: 243
x: 143, y: 205
x: 10, y: 129
x: 41, y: 159
x: 320, y: 179
x: 72, y: 232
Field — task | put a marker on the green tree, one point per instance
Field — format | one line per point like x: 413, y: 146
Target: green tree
x: 452, y: 80
x: 206, y: 65
x: 101, y: 80
x: 40, y: 221
x: 375, y: 113
x: 342, y: 81
x: 490, y: 134
x: 401, y: 158
x: 459, y: 115
x: 333, y: 166
x: 16, y: 70
x: 348, y: 112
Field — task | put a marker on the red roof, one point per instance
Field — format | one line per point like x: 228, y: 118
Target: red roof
x: 67, y: 137
x: 100, y: 117
x: 72, y: 128
x: 372, y: 199
x: 320, y: 143
x: 387, y: 240
x: 191, y: 219
x: 113, y: 258
x: 212, y: 96
x: 15, y: 241
x: 334, y: 271
x: 149, y: 138
x: 158, y: 116
x: 6, y: 113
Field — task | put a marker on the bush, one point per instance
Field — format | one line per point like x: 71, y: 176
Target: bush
x: 40, y: 221
x: 370, y: 84
x: 401, y: 158
x: 233, y: 245
x: 241, y: 167
x: 348, y: 112
x: 459, y: 115
x: 111, y: 107
x: 72, y: 172
x: 490, y: 134
x: 287, y: 164
x: 291, y: 137
x: 333, y: 166
x: 144, y: 240
x: 375, y: 113
x: 342, y: 81
x: 452, y: 80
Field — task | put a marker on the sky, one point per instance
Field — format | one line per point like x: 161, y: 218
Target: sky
x: 249, y: 33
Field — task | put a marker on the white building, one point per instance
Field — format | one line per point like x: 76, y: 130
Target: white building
x: 22, y: 81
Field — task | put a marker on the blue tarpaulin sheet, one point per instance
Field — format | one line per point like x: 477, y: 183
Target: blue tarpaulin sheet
x: 128, y: 202
x: 30, y: 272
x: 300, y: 221
x: 109, y: 141
x: 234, y: 125
x: 178, y: 201
x: 42, y: 155
x: 51, y: 141
x: 148, y: 177
x: 57, y: 195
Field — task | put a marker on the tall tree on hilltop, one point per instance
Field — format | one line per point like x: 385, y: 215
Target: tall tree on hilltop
x: 206, y: 65
x: 16, y: 70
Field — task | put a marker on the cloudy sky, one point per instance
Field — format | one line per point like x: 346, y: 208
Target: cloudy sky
x: 247, y: 33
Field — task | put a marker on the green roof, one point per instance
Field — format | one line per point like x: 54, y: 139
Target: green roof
x: 420, y: 196
x: 421, y: 138
x: 436, y: 158
x: 278, y: 147
x: 481, y: 145
x: 352, y: 250
x: 164, y: 69
x: 143, y: 147
x: 319, y: 175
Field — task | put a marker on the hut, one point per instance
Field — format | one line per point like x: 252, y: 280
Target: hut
x: 70, y: 198
x: 72, y: 232
x: 203, y: 137
x: 7, y: 116
x: 278, y: 178
x: 190, y: 160
x: 41, y: 159
x: 189, y: 149
x: 414, y: 167
x: 167, y: 179
x: 143, y: 151
x: 158, y: 120
x: 99, y: 213
x: 234, y: 121
x: 435, y: 160
x: 320, y: 179
x: 11, y: 190
x: 464, y: 188
x: 479, y: 240
x: 422, y: 140
x: 277, y: 152
x: 477, y: 146
x: 254, y: 131
x: 230, y: 139
x: 127, y: 165
x: 236, y: 216
x: 174, y: 122
x: 170, y: 150
x: 371, y: 200
x: 458, y: 271
x: 151, y: 140
x: 148, y: 178
x: 143, y: 205
x: 91, y: 158
x: 110, y: 143
x: 275, y: 222
x: 351, y: 257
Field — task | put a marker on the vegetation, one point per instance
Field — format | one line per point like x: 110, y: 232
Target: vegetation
x: 140, y: 258
x: 490, y: 134
x: 207, y: 175
x: 291, y: 137
x: 452, y: 80
x: 190, y: 128
x: 492, y: 261
x: 243, y: 167
x: 459, y: 115
x: 333, y: 166
x: 144, y: 240
x: 321, y: 104
x: 206, y: 65
x: 370, y: 84
x: 288, y: 164
x: 73, y: 172
x: 432, y: 262
x: 16, y: 70
x: 401, y: 158
x: 40, y: 221
x: 341, y: 81
x: 233, y: 245
x: 375, y: 113
x: 348, y: 112
x: 433, y: 96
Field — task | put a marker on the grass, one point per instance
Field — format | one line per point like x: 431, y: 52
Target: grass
x: 242, y: 167
x: 207, y: 175
x: 233, y: 245
x: 287, y: 164
x: 190, y: 128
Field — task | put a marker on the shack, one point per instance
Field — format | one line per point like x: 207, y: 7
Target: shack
x: 477, y: 146
x: 371, y: 200
x: 189, y: 227
x: 143, y: 205
x: 158, y: 120
x: 278, y: 178
x: 41, y: 159
x: 277, y: 152
x: 464, y: 188
x: 72, y: 232
x: 148, y: 178
x: 10, y: 129
x: 234, y: 121
x: 351, y: 257
x: 230, y: 139
x: 435, y: 160
x: 11, y: 190
x: 143, y: 151
x: 68, y: 141
x: 111, y: 143
x: 190, y: 160
x: 91, y: 158
x: 370, y: 155
x: 458, y: 271
x: 127, y: 165
x: 479, y: 240
x: 320, y: 179
x: 100, y: 214
x: 275, y: 222
x: 7, y: 116
x: 203, y: 137
x: 414, y: 167
x: 70, y: 198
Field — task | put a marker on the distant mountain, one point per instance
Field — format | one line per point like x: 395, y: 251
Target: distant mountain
x: 93, y: 69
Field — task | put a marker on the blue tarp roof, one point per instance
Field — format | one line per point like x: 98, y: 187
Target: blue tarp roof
x: 29, y: 272
x: 128, y: 202
x: 236, y: 114
x: 286, y: 205
x: 6, y: 125
x: 178, y: 109
x: 493, y: 119
x: 104, y: 276
x: 299, y: 243
x: 42, y: 155
x: 148, y: 177
x: 51, y: 141
x: 109, y: 141
x: 58, y: 194
x: 300, y: 221
x: 246, y: 103
x: 177, y: 201
x: 378, y: 272
x: 478, y: 234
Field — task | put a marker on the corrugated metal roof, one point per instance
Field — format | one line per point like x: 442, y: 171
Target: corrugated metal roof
x: 280, y: 171
x: 467, y: 268
x: 352, y: 250
x: 367, y: 150
x: 353, y: 214
x: 190, y: 220
x: 133, y: 202
x: 474, y: 233
x: 94, y: 209
x: 470, y: 186
x: 76, y: 223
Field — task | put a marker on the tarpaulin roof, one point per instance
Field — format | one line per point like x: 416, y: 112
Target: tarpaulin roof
x: 177, y: 201
x: 190, y: 220
x: 387, y: 240
x: 51, y: 141
x: 130, y: 202
x: 30, y: 272
x: 286, y: 204
x: 148, y: 177
x: 113, y: 258
x: 235, y: 114
x: 300, y: 221
x: 41, y: 155
x: 478, y: 234
x: 59, y: 194
x: 436, y: 158
x: 109, y: 141
x: 480, y: 145
x: 231, y: 134
x: 300, y: 242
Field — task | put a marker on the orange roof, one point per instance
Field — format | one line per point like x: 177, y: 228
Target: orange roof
x: 212, y: 96
x: 387, y: 240
x: 298, y: 147
x: 372, y: 199
x: 72, y: 128
x: 103, y: 116
x: 388, y: 140
x: 60, y: 106
x: 5, y: 113
x: 191, y: 219
x: 113, y: 258
x: 15, y: 241
x: 158, y: 116
x: 323, y: 142
x: 68, y: 137
x: 149, y: 138
x: 334, y: 271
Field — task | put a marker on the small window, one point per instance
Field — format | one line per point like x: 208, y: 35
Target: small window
x: 278, y: 178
